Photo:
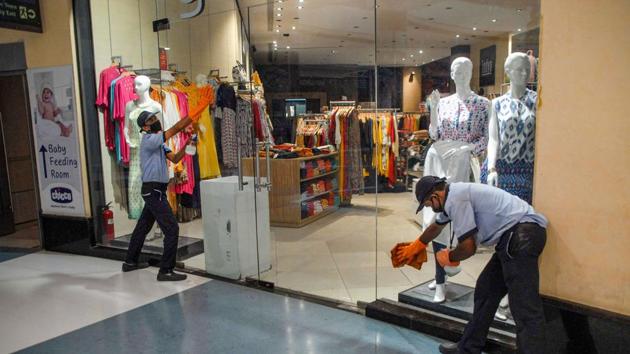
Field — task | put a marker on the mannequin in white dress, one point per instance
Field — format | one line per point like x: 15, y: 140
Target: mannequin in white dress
x: 459, y: 128
x: 144, y: 102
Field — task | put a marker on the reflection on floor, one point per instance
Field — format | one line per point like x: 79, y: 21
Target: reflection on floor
x: 341, y: 256
x: 25, y: 237
x: 59, y: 303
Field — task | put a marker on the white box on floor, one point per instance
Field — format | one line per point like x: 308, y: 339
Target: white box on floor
x: 230, y: 220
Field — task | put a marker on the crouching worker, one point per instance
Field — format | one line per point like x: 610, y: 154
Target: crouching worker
x: 483, y: 215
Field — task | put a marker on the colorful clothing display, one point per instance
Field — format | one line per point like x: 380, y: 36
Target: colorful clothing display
x: 463, y: 120
x: 516, y: 120
x: 345, y: 131
x: 103, y: 101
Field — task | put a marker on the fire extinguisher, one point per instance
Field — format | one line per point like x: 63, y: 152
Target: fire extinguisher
x: 108, y: 222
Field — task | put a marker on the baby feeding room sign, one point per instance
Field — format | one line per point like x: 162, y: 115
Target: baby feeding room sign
x: 51, y: 93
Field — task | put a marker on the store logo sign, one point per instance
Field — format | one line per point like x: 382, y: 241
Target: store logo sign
x: 196, y: 11
x: 61, y: 195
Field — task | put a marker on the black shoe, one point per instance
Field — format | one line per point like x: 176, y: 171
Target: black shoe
x: 449, y: 348
x: 128, y: 267
x: 171, y: 276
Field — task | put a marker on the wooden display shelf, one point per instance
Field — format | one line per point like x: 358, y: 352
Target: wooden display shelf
x: 285, y: 197
x: 333, y: 172
x: 310, y: 219
x: 319, y: 195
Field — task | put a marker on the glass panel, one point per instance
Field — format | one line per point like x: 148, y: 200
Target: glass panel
x: 316, y: 63
x: 447, y: 58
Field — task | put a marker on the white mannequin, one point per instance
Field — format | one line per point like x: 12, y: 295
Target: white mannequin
x: 144, y: 102
x: 517, y: 69
x: 201, y: 80
x: 451, y: 156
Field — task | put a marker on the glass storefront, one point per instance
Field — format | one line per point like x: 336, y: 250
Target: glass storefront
x: 320, y: 115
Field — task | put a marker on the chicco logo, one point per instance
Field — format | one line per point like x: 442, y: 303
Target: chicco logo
x: 61, y: 195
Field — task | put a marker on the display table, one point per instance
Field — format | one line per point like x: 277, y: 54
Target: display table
x: 303, y: 189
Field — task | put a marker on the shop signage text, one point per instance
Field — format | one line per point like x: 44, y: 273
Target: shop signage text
x: 21, y: 15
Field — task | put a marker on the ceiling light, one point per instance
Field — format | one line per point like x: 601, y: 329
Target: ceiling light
x: 519, y: 30
x: 474, y: 28
x: 333, y: 52
x: 420, y: 51
x: 276, y: 48
x: 277, y: 31
x: 301, y: 0
x: 293, y: 27
x: 411, y: 55
x: 457, y: 36
x: 300, y: 7
x: 288, y: 47
x: 279, y: 9
x: 275, y: 42
x: 167, y: 48
x: 403, y: 59
x: 494, y: 20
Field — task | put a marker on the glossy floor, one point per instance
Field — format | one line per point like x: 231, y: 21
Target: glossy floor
x: 54, y: 303
x: 342, y: 256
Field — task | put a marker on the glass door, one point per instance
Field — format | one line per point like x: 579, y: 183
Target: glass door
x: 317, y: 90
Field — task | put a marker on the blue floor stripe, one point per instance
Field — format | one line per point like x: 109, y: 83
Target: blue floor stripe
x: 218, y: 317
x: 7, y: 254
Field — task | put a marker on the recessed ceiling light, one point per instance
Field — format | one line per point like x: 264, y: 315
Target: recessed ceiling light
x: 279, y: 9
x: 279, y: 14
x: 457, y: 36
x: 403, y: 59
x: 519, y: 30
x: 494, y: 20
x: 519, y: 10
x: 288, y: 47
x: 293, y: 27
x: 301, y: 0
x: 277, y: 31
x: 300, y: 7
x: 333, y: 52
x: 276, y: 48
x: 474, y: 28
x: 275, y: 42
x: 411, y: 55
x: 423, y: 62
x: 420, y: 51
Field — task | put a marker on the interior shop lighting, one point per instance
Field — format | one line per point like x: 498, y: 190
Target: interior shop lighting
x: 277, y: 31
x: 494, y: 20
x: 279, y: 14
x: 411, y: 55
x: 300, y: 7
x: 293, y: 27
x: 279, y: 9
x: 474, y: 28
x: 420, y: 51
x: 288, y: 47
x: 519, y: 29
x: 167, y: 48
x: 275, y: 42
x: 301, y: 0
x: 457, y: 36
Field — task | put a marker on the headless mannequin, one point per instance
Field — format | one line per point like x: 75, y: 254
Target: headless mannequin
x: 451, y: 157
x: 517, y: 69
x: 132, y: 135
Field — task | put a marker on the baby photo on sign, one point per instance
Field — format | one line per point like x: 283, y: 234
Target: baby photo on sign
x: 53, y: 112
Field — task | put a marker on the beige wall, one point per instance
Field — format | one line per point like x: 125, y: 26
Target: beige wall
x: 54, y: 46
x: 582, y: 178
x: 411, y: 90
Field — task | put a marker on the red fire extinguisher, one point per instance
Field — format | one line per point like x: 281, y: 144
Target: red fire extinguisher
x: 108, y: 222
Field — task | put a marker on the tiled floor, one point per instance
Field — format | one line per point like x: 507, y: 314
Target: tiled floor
x: 343, y: 257
x: 59, y: 303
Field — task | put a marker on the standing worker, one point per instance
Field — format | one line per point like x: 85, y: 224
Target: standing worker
x: 155, y: 177
x: 483, y: 215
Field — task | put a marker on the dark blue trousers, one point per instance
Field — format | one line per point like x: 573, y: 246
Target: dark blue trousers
x: 156, y: 208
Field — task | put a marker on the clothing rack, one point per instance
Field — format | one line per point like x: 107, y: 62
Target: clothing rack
x: 377, y: 110
x: 343, y: 103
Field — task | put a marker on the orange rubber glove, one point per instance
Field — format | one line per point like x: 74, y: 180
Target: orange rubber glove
x: 420, y: 258
x: 406, y: 254
x: 444, y: 260
x: 394, y: 251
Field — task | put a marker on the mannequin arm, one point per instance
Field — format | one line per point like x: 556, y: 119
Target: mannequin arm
x: 434, y: 99
x: 493, y: 146
x: 129, y: 125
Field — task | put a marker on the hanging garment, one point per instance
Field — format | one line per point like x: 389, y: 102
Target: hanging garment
x: 103, y: 102
x: 244, y: 123
x: 455, y: 168
x: 516, y: 120
x: 229, y: 141
x: 123, y: 93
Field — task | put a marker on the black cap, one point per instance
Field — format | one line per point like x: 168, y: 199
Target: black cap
x: 424, y: 186
x: 143, y: 117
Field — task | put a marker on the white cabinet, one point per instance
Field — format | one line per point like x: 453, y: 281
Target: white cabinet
x: 230, y: 220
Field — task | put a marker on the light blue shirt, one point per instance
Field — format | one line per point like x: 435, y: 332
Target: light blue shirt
x: 153, y: 158
x: 485, y: 212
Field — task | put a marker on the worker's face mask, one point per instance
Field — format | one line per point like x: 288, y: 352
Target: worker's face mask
x: 156, y: 127
x: 436, y: 204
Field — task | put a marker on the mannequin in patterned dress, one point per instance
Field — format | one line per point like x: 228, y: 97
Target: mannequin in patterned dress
x: 459, y: 128
x: 510, y: 163
x: 132, y: 135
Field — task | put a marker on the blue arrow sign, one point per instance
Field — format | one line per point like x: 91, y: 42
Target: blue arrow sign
x: 44, y: 151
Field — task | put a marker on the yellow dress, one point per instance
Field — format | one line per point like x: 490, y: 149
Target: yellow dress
x: 206, y: 146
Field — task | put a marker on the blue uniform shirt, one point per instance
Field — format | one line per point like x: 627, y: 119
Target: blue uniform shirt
x: 484, y: 211
x: 153, y: 158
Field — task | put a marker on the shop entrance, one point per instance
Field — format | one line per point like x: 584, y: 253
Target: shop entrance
x: 19, y: 226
